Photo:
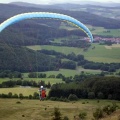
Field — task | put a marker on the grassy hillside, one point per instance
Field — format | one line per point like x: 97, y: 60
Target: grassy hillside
x: 43, y: 110
x: 101, y: 53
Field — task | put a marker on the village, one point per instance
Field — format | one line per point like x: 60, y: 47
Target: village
x: 115, y: 40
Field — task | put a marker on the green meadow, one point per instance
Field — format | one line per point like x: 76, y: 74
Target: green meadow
x: 3, y: 80
x: 26, y: 91
x: 101, y: 53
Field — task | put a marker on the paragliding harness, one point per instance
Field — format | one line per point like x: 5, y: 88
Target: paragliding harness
x: 42, y: 94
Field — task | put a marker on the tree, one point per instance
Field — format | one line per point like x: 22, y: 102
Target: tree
x: 59, y: 75
x: 48, y: 85
x: 21, y: 96
x: 35, y: 95
x: 100, y: 95
x: 9, y: 95
x: 68, y: 64
x: 91, y: 95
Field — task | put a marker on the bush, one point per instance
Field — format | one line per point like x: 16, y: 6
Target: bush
x: 18, y: 102
x: 21, y: 96
x: 65, y: 100
x: 82, y: 115
x: 30, y: 96
x: 110, y: 108
x: 72, y: 97
x: 83, y: 102
x: 57, y: 114
x: 15, y: 96
x: 4, y: 95
x: 98, y: 114
x: 9, y: 95
x: 36, y: 95
x: 53, y: 98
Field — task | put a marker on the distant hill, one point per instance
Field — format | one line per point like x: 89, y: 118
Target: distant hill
x: 110, y: 9
x: 67, y: 5
x: 8, y: 10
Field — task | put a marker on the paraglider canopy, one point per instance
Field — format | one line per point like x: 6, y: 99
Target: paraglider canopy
x: 47, y: 15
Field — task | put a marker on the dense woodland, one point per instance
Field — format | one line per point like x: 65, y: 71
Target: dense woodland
x: 25, y: 60
x: 34, y: 34
x: 92, y: 87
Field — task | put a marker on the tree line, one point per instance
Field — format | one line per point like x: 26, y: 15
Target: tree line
x: 32, y: 83
x: 10, y: 74
x: 81, y: 61
x: 89, y: 88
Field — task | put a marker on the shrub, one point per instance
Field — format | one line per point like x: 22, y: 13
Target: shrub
x: 30, y: 96
x: 9, y: 95
x: 65, y: 118
x: 72, y: 97
x: 57, y: 114
x: 4, y: 95
x: 53, y: 98
x: 110, y: 108
x: 98, y: 114
x: 83, y: 102
x: 82, y: 115
x: 36, y: 95
x: 18, y: 102
x: 21, y: 96
x: 98, y: 101
x: 65, y: 100
x: 15, y: 96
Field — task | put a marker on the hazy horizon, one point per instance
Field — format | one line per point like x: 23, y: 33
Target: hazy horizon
x: 58, y: 1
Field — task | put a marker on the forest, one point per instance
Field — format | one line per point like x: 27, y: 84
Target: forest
x: 90, y: 88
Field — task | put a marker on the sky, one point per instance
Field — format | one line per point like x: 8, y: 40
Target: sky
x: 55, y: 1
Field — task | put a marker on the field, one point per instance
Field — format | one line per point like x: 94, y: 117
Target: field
x: 67, y: 73
x: 104, y: 32
x: 3, y: 80
x: 26, y: 91
x: 15, y: 109
x: 96, y: 30
x: 99, y: 54
x: 51, y: 80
